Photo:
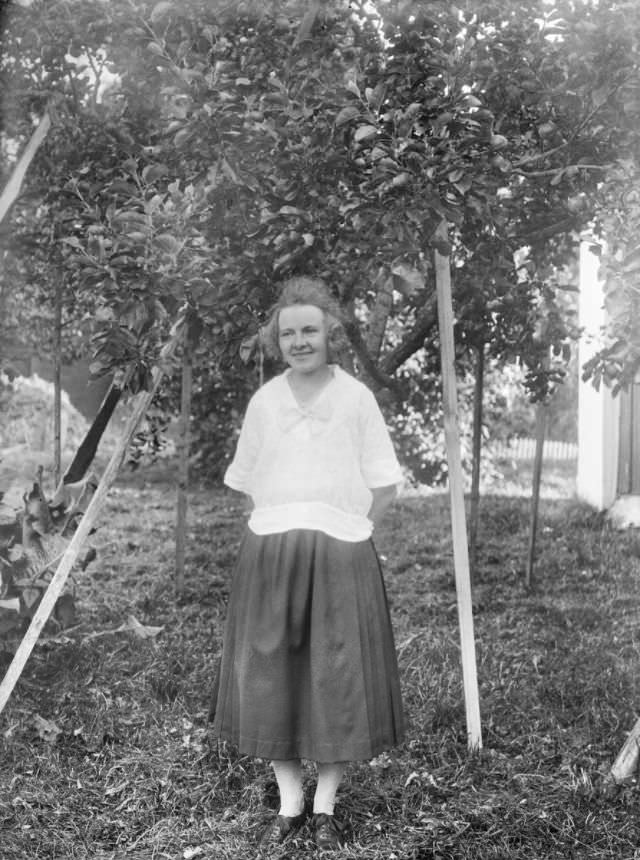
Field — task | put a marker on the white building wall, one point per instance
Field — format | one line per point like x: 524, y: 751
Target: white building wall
x: 598, y: 411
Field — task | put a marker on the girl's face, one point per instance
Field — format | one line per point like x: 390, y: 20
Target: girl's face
x: 302, y: 336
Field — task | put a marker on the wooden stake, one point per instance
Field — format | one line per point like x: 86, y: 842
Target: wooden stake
x: 63, y: 570
x: 12, y: 188
x: 626, y: 764
x: 456, y: 490
x: 474, y: 508
x: 183, y: 467
x: 57, y: 383
x: 541, y: 423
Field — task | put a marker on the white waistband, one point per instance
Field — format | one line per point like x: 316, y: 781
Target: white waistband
x: 311, y: 515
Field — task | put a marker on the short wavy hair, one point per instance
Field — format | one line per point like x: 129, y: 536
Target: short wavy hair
x: 306, y: 290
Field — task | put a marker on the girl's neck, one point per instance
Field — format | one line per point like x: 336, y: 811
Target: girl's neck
x: 306, y: 385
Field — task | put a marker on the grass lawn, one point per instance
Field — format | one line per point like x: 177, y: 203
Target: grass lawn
x: 106, y: 751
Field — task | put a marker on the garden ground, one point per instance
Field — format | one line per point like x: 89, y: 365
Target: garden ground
x: 106, y: 751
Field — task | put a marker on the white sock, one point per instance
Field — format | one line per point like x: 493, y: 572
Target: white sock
x: 329, y: 778
x: 289, y: 779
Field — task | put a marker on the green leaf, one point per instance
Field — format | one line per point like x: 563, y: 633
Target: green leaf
x: 168, y: 243
x: 73, y: 241
x: 154, y: 171
x: 353, y: 88
x: 401, y: 180
x: 292, y: 210
x: 182, y: 136
x: 407, y: 279
x: 30, y: 596
x: 346, y: 115
x: 364, y: 132
x: 160, y: 10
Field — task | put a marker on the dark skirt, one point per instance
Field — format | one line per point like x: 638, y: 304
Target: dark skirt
x: 308, y: 665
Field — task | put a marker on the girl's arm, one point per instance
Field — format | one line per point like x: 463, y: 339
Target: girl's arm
x: 382, y: 499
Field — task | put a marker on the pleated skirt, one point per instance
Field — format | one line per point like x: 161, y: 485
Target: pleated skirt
x: 308, y: 667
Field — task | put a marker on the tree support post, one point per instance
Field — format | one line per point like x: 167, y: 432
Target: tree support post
x: 12, y: 188
x: 474, y: 508
x: 456, y: 490
x: 86, y: 523
x: 57, y: 384
x: 183, y: 465
x: 541, y: 425
x: 626, y: 764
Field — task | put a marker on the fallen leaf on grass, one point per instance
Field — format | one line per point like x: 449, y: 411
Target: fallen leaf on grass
x: 139, y: 629
x: 47, y: 729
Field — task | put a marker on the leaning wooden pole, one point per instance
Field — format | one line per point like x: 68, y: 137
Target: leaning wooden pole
x: 625, y: 767
x: 57, y: 384
x: 70, y: 556
x: 474, y: 507
x: 183, y: 467
x: 541, y: 424
x: 456, y: 490
x: 12, y: 189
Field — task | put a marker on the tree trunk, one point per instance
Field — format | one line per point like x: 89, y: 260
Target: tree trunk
x: 478, y: 396
x: 85, y: 525
x: 183, y: 467
x: 456, y: 489
x: 57, y: 384
x: 379, y: 315
x: 541, y: 423
x: 413, y: 340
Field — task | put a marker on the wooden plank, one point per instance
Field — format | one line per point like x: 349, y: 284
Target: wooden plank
x: 624, y: 445
x: 57, y: 382
x: 183, y: 467
x: 12, y: 188
x: 474, y: 507
x: 541, y: 426
x: 456, y: 490
x: 70, y: 556
x: 634, y: 432
x: 626, y: 764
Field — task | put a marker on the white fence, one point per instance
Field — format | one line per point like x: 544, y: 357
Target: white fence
x: 525, y: 449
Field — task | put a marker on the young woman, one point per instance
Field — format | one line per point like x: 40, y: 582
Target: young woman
x: 308, y: 666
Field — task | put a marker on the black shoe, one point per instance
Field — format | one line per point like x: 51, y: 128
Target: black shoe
x: 328, y: 832
x: 280, y: 829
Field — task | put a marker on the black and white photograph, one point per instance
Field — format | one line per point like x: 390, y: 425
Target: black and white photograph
x: 319, y: 429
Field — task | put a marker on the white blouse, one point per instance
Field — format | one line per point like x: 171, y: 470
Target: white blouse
x: 313, y: 467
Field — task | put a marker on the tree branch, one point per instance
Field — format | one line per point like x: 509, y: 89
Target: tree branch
x: 543, y: 155
x: 414, y: 339
x: 369, y: 366
x: 553, y: 170
x: 547, y: 232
